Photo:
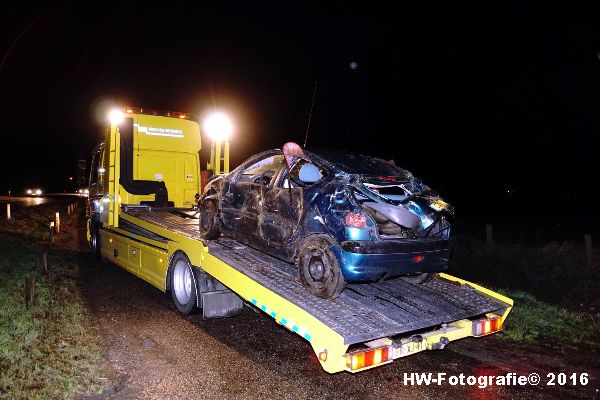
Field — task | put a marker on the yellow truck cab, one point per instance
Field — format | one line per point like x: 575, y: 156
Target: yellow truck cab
x: 158, y: 160
x: 145, y: 158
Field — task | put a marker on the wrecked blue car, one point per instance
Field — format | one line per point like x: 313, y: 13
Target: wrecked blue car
x: 340, y: 217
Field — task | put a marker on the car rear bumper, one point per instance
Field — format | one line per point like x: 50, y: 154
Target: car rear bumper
x: 371, y: 261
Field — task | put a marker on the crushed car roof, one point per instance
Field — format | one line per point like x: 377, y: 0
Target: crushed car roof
x: 360, y: 164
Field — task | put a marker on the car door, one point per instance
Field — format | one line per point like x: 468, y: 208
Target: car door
x: 283, y: 210
x: 242, y: 197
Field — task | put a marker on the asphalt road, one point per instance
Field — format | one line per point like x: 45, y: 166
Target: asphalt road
x: 29, y: 201
x: 151, y: 351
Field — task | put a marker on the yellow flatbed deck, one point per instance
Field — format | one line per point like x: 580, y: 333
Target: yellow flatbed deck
x: 391, y: 310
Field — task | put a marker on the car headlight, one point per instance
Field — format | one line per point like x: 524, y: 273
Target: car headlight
x: 38, y: 192
x: 29, y: 191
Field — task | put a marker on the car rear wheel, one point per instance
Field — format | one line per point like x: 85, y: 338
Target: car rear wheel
x: 418, y: 279
x: 319, y: 270
x: 183, y: 285
x: 209, y: 220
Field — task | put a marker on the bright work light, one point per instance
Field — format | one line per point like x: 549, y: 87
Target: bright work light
x: 218, y: 126
x: 116, y: 116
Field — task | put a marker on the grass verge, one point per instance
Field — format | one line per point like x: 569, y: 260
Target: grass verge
x: 47, y: 350
x: 534, y: 321
x: 553, y: 287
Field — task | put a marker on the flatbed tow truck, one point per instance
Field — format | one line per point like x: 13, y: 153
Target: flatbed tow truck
x: 368, y: 325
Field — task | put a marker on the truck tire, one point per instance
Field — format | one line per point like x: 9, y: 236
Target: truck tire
x: 319, y: 270
x: 183, y: 284
x: 209, y: 220
x: 95, y: 240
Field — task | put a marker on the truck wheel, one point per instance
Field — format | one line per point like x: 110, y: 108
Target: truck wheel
x: 417, y: 279
x: 209, y: 220
x: 319, y: 270
x: 183, y: 285
x: 95, y: 240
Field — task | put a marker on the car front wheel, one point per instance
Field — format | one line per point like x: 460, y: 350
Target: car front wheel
x: 209, y: 220
x: 319, y: 270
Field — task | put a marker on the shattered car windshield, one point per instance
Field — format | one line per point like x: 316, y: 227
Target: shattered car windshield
x: 360, y: 164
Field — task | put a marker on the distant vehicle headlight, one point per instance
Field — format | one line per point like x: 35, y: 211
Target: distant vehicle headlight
x: 38, y: 192
x: 29, y: 191
x: 86, y: 191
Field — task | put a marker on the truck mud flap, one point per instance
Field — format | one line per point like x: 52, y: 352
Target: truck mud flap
x: 222, y: 303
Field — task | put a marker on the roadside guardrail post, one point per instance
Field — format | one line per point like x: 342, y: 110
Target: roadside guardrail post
x: 51, y: 238
x: 29, y: 291
x: 45, y: 261
x: 587, y: 239
x: 7, y: 211
x: 489, y: 237
x: 57, y: 223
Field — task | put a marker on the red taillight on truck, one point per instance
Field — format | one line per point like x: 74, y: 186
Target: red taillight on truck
x: 323, y: 355
x: 486, y: 326
x: 356, y: 220
x: 368, y: 358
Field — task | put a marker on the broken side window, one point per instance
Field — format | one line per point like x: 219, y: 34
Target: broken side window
x: 266, y: 167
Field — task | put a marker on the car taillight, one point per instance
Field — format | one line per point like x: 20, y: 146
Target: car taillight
x: 356, y: 220
x: 368, y: 358
x: 418, y: 258
x: 486, y: 326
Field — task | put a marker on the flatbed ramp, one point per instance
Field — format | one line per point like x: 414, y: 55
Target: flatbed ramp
x: 363, y: 312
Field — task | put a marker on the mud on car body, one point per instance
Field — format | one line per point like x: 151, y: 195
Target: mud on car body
x: 338, y: 216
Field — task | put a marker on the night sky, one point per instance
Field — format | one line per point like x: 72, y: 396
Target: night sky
x: 476, y: 99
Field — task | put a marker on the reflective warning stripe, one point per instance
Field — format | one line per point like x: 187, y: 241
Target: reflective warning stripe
x: 289, y: 324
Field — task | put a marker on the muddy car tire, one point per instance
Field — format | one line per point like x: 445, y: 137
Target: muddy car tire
x: 418, y: 279
x: 319, y: 270
x: 209, y: 220
x: 183, y: 284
